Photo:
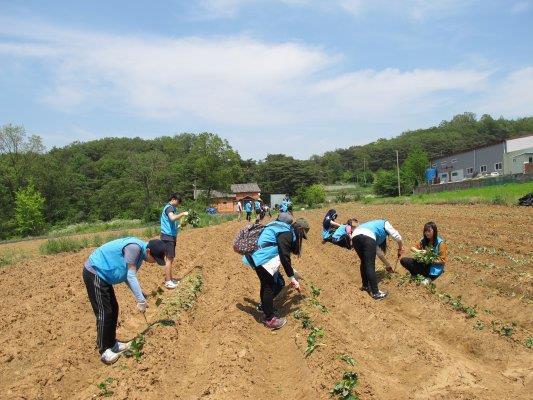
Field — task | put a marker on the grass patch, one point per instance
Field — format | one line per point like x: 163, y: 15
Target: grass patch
x: 69, y: 245
x: 10, y: 256
x: 507, y: 194
x: 98, y: 226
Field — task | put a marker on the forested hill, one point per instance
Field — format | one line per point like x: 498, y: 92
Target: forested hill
x: 131, y: 177
x: 462, y: 133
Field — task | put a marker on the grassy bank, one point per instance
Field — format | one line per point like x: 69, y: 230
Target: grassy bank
x: 507, y: 194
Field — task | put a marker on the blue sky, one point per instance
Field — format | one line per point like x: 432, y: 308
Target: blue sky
x: 299, y: 77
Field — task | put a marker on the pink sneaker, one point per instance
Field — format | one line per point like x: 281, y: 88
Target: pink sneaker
x: 275, y: 323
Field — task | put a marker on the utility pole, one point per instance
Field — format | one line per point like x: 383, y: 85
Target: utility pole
x: 364, y: 170
x: 398, y: 171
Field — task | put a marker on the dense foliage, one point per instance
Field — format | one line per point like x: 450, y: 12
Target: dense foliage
x: 130, y: 178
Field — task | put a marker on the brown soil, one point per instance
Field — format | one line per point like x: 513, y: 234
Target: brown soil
x: 413, y: 345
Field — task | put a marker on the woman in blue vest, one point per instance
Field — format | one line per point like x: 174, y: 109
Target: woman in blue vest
x: 248, y: 210
x: 113, y: 263
x: 169, y: 232
x: 286, y: 204
x: 329, y: 225
x: 276, y: 243
x: 432, y: 240
x: 365, y: 239
x: 259, y: 215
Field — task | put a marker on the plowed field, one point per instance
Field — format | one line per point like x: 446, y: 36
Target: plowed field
x: 413, y: 345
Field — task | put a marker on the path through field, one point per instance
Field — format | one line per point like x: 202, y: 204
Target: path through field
x: 413, y: 345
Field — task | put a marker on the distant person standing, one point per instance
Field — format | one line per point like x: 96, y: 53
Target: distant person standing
x: 169, y: 233
x: 286, y: 204
x: 110, y: 264
x: 258, y: 210
x: 248, y: 209
x: 238, y: 208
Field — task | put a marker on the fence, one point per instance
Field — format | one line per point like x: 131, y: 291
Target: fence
x: 474, y: 183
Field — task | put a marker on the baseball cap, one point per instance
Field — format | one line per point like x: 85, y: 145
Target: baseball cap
x: 157, y: 250
x: 303, y: 225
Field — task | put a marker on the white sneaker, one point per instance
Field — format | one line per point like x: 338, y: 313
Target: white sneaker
x: 170, y: 285
x: 176, y: 281
x: 109, y: 356
x: 121, y: 347
x: 426, y: 282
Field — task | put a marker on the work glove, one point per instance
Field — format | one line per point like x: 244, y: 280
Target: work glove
x: 142, y: 306
x: 185, y: 213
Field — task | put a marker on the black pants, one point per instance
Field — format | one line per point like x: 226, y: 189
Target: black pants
x: 105, y: 307
x: 268, y: 291
x: 248, y: 215
x: 415, y: 267
x: 366, y: 250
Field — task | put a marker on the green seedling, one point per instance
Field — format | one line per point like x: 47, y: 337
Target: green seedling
x: 315, y: 291
x: 312, y: 340
x: 319, y: 305
x: 304, y: 317
x: 158, y: 301
x: 479, y: 326
x: 104, y: 391
x: 136, y: 348
x: 347, y: 359
x: 344, y: 388
x: 508, y: 330
x: 192, y: 219
x: 426, y: 256
x: 529, y: 343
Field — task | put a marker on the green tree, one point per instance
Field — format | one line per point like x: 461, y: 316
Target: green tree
x: 414, y: 168
x: 29, y: 211
x: 386, y: 183
x: 313, y: 195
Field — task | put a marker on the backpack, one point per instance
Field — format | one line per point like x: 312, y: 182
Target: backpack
x: 245, y: 241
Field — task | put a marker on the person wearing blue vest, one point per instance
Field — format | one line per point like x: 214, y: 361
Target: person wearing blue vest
x: 286, y: 204
x: 432, y: 240
x: 276, y: 242
x: 329, y: 225
x: 365, y: 239
x: 248, y: 210
x: 258, y: 208
x: 169, y: 232
x: 110, y: 264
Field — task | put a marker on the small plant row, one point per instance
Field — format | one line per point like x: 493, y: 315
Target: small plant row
x: 501, y: 328
x: 344, y: 389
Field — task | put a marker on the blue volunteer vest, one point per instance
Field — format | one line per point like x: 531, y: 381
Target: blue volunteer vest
x: 436, y: 269
x: 326, y: 234
x: 258, y: 205
x: 168, y: 227
x: 248, y: 207
x: 377, y: 226
x: 268, y: 237
x: 284, y: 206
x: 108, y: 260
x: 339, y: 232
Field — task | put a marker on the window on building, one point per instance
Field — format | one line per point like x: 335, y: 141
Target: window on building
x: 454, y: 160
x: 530, y: 160
x: 434, y: 165
x: 470, y: 170
x: 454, y: 173
x: 514, y: 159
x: 498, y: 166
x: 483, y: 168
x: 443, y: 163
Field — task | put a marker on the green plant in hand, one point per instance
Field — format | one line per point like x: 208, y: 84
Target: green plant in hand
x: 426, y: 256
x: 344, y: 388
x: 192, y: 219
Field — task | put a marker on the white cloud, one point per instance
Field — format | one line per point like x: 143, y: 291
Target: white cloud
x: 512, y: 97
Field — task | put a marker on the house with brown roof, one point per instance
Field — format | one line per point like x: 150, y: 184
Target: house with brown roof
x: 227, y: 202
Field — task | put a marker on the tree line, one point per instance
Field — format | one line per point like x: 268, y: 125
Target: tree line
x: 131, y: 177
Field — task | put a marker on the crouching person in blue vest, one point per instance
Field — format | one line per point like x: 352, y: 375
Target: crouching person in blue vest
x: 432, y: 240
x: 112, y: 263
x: 365, y: 240
x: 276, y: 243
x: 329, y: 226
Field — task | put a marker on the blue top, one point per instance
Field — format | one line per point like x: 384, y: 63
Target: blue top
x: 267, y: 242
x: 108, y: 260
x: 339, y: 232
x: 248, y: 206
x: 284, y: 206
x: 436, y: 270
x: 376, y: 226
x: 257, y: 205
x: 168, y: 227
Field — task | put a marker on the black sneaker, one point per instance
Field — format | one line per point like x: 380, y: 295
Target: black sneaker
x: 379, y: 295
x: 364, y: 289
x: 260, y: 309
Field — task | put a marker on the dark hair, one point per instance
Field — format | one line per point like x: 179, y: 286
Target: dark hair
x: 174, y: 196
x: 425, y: 240
x: 331, y: 215
x: 351, y: 220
